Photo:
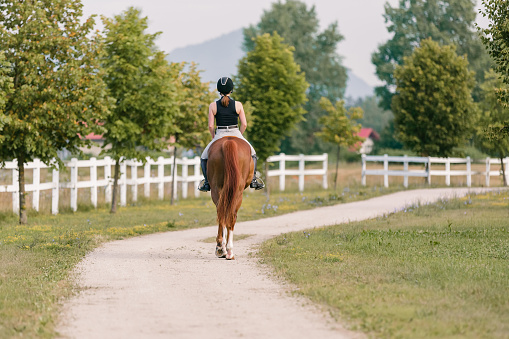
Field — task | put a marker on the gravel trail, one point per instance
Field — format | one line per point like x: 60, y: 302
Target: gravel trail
x: 170, y: 285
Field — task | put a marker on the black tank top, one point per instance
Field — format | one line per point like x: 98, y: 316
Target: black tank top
x: 226, y: 116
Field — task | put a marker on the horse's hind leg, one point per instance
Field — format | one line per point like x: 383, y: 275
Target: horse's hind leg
x: 221, y: 242
x: 229, y: 245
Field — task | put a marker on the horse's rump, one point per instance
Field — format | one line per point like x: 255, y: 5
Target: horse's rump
x: 229, y: 169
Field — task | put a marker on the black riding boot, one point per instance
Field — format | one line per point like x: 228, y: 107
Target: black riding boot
x: 205, y: 187
x: 256, y: 183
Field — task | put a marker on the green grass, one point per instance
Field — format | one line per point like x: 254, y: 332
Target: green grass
x: 37, y: 258
x: 430, y: 271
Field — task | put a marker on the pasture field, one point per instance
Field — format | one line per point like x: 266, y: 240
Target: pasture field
x: 432, y: 271
x: 37, y: 258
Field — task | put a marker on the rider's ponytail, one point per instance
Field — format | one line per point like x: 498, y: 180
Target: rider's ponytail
x: 225, y: 101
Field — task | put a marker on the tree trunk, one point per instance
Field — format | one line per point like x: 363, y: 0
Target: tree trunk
x: 337, y: 170
x: 174, y: 174
x: 22, y: 195
x: 267, y: 186
x: 503, y: 170
x: 115, y: 187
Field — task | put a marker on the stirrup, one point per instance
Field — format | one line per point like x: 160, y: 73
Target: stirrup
x: 204, y: 186
x: 257, y: 184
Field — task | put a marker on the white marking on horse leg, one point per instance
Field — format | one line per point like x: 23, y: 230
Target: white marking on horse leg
x: 225, y: 232
x: 229, y: 246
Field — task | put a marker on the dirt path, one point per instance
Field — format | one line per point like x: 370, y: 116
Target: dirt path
x: 171, y: 285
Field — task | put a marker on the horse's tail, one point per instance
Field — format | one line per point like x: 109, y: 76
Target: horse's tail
x: 228, y: 195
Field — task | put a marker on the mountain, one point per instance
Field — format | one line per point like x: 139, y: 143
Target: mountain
x: 219, y: 57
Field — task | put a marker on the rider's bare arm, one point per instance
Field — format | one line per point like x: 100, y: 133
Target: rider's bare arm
x: 212, y: 113
x: 242, y: 116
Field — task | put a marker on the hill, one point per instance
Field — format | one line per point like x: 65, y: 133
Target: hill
x: 219, y: 57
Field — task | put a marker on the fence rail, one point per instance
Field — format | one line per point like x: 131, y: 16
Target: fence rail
x: 427, y: 172
x: 134, y: 181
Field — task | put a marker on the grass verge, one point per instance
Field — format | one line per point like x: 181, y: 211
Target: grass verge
x: 37, y: 258
x: 431, y: 271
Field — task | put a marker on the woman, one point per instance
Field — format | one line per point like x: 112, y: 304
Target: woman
x: 226, y: 112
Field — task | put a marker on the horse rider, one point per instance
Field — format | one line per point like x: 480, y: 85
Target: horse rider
x: 227, y: 113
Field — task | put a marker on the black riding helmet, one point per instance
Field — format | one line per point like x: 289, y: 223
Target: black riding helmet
x: 225, y: 85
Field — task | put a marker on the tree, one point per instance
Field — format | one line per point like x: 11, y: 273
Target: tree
x: 494, y: 116
x: 142, y: 84
x: 5, y: 89
x: 57, y: 92
x: 193, y: 102
x: 270, y: 80
x: 374, y: 116
x: 340, y: 127
x: 433, y: 107
x: 445, y: 21
x: 315, y: 52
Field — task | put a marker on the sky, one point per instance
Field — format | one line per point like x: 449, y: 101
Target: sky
x: 191, y: 22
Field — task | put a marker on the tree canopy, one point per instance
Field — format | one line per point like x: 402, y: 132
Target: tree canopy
x: 142, y: 84
x: 57, y: 93
x: 272, y: 82
x: 445, y: 21
x: 315, y: 52
x: 433, y: 107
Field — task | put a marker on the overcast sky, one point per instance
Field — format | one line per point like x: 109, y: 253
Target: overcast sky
x: 191, y: 22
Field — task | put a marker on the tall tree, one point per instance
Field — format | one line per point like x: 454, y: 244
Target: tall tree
x: 494, y: 117
x: 194, y: 98
x: 340, y: 127
x: 315, y: 52
x: 433, y: 107
x: 57, y: 94
x: 445, y: 21
x: 270, y: 79
x: 142, y: 84
x: 5, y: 89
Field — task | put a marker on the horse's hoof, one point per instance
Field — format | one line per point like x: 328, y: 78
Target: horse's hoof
x: 232, y: 258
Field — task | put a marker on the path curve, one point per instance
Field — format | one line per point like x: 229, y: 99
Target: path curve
x: 171, y: 285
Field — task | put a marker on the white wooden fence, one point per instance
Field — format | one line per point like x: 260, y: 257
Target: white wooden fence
x: 427, y: 172
x: 106, y: 182
x: 302, y: 171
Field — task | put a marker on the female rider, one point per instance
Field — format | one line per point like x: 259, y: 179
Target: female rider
x: 226, y: 112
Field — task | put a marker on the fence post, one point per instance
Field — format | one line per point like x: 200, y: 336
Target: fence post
x: 160, y: 177
x: 146, y: 177
x: 429, y: 170
x: 325, y: 169
x: 93, y: 179
x: 123, y: 183
x: 15, y: 183
x: 363, y: 172
x: 506, y: 160
x: 448, y: 172
x: 405, y: 169
x: 469, y: 172
x: 184, y: 177
x: 134, y: 181
x: 174, y: 182
x: 282, y: 169
x: 107, y: 176
x: 386, y: 170
x: 196, y: 173
x: 55, y: 191
x: 36, y: 179
x: 74, y: 184
x: 488, y: 169
x: 301, y: 172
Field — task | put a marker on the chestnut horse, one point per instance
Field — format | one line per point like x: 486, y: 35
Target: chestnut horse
x: 229, y: 171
